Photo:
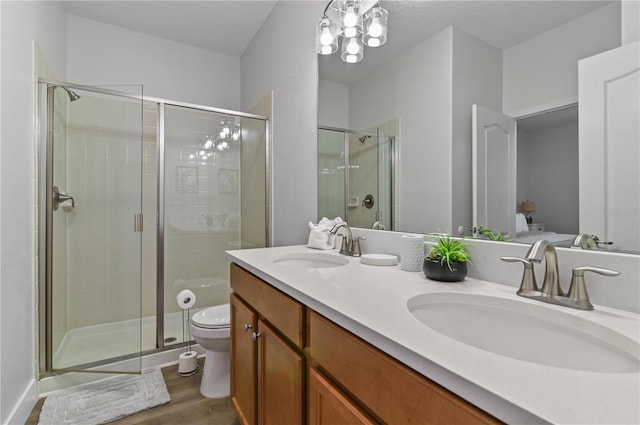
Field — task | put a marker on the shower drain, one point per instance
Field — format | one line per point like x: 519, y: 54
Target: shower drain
x: 170, y: 339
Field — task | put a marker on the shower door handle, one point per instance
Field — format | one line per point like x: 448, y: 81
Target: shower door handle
x: 59, y: 197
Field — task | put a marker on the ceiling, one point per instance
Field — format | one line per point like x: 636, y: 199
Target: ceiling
x: 229, y: 26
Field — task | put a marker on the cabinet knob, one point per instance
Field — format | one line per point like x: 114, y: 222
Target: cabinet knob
x: 247, y: 327
x: 255, y: 335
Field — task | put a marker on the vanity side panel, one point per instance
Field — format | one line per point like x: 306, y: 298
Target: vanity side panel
x: 390, y: 390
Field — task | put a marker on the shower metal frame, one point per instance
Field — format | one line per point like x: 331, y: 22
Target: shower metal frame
x: 45, y: 239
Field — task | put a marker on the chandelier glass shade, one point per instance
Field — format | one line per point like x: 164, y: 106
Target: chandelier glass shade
x: 357, y: 22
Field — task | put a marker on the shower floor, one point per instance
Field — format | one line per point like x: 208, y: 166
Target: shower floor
x: 110, y: 340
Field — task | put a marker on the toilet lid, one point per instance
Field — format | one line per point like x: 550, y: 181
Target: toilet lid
x: 213, y: 317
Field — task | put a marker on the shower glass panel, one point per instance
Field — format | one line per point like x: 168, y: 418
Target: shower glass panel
x: 331, y: 174
x: 355, y: 177
x: 93, y: 199
x: 214, y: 200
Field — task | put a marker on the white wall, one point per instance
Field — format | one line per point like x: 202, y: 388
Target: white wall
x: 477, y: 78
x: 102, y: 54
x: 333, y: 104
x: 22, y: 23
x: 276, y: 60
x: 416, y: 87
x: 542, y: 72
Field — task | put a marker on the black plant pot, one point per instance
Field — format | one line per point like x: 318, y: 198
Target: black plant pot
x: 434, y: 270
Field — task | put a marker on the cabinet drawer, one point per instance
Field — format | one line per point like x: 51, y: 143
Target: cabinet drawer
x: 281, y: 311
x: 391, y: 391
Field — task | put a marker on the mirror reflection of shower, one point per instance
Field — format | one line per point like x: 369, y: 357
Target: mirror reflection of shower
x: 355, y: 167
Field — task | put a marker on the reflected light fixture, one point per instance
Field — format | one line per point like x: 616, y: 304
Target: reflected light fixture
x: 358, y: 22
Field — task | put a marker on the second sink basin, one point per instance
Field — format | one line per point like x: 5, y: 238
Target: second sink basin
x: 525, y: 331
x: 311, y: 260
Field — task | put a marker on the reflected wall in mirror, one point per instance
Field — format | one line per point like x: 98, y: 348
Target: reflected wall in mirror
x: 517, y: 57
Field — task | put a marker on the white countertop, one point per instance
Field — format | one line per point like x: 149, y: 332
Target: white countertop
x: 371, y: 302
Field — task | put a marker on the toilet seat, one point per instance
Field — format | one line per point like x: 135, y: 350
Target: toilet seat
x: 216, y: 317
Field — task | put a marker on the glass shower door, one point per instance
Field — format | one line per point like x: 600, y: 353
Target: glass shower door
x: 213, y: 200
x: 93, y: 199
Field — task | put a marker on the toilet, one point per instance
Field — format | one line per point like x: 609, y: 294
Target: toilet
x: 211, y: 328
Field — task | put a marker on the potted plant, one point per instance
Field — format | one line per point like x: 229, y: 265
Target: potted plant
x: 447, y: 260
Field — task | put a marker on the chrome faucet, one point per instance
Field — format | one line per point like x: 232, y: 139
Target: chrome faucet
x: 551, y: 291
x: 350, y: 246
x: 379, y: 226
x: 585, y: 241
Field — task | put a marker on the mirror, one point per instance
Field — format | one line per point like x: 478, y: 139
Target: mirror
x: 517, y: 57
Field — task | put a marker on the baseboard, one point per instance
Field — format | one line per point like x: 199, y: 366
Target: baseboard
x: 23, y: 409
x: 72, y: 379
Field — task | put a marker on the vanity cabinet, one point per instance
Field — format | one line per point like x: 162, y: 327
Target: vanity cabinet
x: 267, y: 363
x: 347, y: 380
x: 388, y: 390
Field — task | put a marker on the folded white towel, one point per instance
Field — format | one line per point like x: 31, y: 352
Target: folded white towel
x: 319, y: 236
x: 319, y: 239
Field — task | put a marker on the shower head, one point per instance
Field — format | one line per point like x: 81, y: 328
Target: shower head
x: 363, y: 138
x: 73, y: 96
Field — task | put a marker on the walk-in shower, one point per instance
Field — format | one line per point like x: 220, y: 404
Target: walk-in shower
x: 149, y: 194
x: 356, y: 175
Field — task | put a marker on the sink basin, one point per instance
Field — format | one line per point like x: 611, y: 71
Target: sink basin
x: 311, y: 260
x: 525, y: 331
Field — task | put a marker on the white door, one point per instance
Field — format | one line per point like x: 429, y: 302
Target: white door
x: 609, y: 149
x: 494, y: 170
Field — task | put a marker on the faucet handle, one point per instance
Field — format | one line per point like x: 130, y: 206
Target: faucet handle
x: 528, y: 284
x: 355, y: 247
x: 578, y: 288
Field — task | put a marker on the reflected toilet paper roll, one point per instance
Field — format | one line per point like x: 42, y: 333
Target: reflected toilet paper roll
x: 186, y: 299
x: 412, y: 253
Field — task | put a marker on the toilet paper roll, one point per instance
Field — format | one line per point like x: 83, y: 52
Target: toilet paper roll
x: 186, y: 299
x: 412, y: 253
x: 187, y: 363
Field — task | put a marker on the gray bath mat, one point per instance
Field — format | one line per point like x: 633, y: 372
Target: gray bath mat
x: 105, y: 401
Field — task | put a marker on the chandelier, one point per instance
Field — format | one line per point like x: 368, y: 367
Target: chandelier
x: 358, y: 22
x: 228, y: 131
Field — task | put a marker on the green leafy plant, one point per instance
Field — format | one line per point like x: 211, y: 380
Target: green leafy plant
x: 494, y: 236
x: 448, y: 250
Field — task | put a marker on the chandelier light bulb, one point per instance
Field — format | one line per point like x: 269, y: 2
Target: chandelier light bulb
x: 352, y: 47
x: 375, y: 29
x: 350, y: 17
x: 325, y: 37
x: 235, y: 136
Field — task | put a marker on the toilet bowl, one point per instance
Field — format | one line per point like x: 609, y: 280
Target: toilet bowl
x: 211, y: 328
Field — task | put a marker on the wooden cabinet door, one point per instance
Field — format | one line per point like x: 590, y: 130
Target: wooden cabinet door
x: 243, y: 361
x: 280, y: 380
x: 328, y: 406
